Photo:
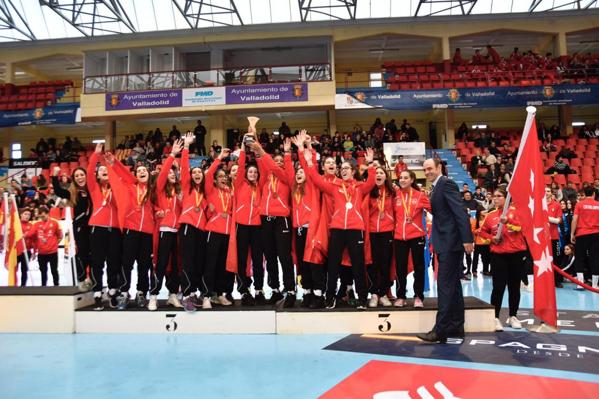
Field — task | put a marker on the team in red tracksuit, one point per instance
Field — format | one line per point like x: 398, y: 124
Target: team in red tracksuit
x: 381, y: 225
x: 24, y: 257
x: 168, y: 205
x: 409, y: 236
x: 304, y: 201
x: 347, y: 226
x: 105, y: 231
x: 507, y: 254
x: 248, y: 186
x: 275, y: 210
x: 192, y: 226
x: 136, y: 212
x: 554, y: 214
x: 47, y: 235
x: 219, y: 216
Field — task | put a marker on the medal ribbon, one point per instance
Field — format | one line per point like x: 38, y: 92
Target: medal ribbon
x: 407, y: 207
x: 106, y: 195
x: 199, y: 196
x: 345, y: 193
x: 274, y: 183
x: 223, y: 195
x: 380, y: 201
x: 140, y: 194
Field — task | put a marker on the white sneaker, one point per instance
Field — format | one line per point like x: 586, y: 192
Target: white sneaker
x: 498, y: 325
x: 206, y: 304
x: 374, y: 301
x: 384, y: 301
x: 153, y: 304
x: 399, y: 303
x: 222, y: 300
x: 173, y: 300
x: 514, y: 322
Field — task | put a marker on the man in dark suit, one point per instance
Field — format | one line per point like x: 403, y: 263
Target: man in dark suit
x: 451, y: 237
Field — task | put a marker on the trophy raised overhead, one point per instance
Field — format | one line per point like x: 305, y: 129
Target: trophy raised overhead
x: 253, y: 120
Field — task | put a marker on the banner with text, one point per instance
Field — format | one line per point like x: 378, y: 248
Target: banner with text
x: 413, y: 154
x: 56, y: 114
x: 272, y: 93
x: 488, y: 97
x: 143, y: 100
x: 203, y: 96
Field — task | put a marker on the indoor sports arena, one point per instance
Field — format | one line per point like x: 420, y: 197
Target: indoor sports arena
x: 384, y: 199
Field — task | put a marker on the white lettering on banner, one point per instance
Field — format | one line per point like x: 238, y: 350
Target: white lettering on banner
x: 481, y: 342
x: 418, y: 96
x: 140, y: 96
x: 552, y: 347
x: 388, y: 96
x: 150, y: 103
x: 566, y: 323
x: 591, y: 316
x: 578, y: 91
x: 514, y: 345
x: 421, y: 391
x: 585, y: 349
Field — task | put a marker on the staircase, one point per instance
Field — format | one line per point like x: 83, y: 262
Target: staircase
x: 455, y: 171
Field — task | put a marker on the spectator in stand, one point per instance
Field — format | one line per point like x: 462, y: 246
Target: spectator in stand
x: 216, y: 148
x: 462, y: 131
x: 567, y: 153
x: 174, y: 134
x: 560, y: 167
x: 475, y: 162
x: 585, y: 236
x: 376, y: 125
x: 391, y: 127
x: 490, y: 178
x: 41, y: 147
x: 494, y: 150
x: 483, y: 141
x: 200, y: 134
x: 493, y: 56
x: 478, y: 194
x: 457, y: 57
x: 515, y: 55
x: 570, y: 193
x: 554, y: 214
x: 412, y: 133
x: 284, y: 130
x: 400, y: 166
x: 488, y: 158
x: 477, y: 58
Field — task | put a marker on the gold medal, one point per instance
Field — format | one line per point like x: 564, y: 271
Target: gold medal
x: 197, y: 209
x: 349, y: 205
x: 225, y: 215
x: 381, y: 215
x: 409, y: 220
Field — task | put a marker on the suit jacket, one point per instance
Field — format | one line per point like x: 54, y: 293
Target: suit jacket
x: 451, y: 226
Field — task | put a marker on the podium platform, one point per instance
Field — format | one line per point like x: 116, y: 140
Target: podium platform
x: 66, y: 310
x: 40, y: 309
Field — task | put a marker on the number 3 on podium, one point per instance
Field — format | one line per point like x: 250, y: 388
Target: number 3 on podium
x: 171, y: 324
x: 385, y: 325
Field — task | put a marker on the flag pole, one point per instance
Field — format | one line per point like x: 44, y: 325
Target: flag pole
x: 530, y: 117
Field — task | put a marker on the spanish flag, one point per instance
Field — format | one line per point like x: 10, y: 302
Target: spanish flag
x: 15, y: 235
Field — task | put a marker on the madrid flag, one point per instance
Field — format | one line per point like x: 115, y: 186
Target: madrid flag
x: 527, y: 189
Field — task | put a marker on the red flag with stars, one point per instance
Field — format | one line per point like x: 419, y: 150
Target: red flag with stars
x: 527, y: 189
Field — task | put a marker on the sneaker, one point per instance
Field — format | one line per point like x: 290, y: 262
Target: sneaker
x: 83, y: 287
x: 351, y: 297
x: 141, y: 300
x: 153, y: 304
x: 206, y: 303
x: 514, y: 322
x: 122, y: 302
x: 289, y: 300
x: 259, y: 299
x: 374, y: 301
x: 275, y: 297
x: 399, y: 303
x: 418, y: 303
x: 498, y: 326
x: 466, y: 277
x: 361, y: 304
x: 579, y: 288
x: 113, y: 301
x: 247, y: 299
x: 195, y: 301
x: 173, y: 300
x: 318, y: 302
x: 384, y: 301
x: 98, y: 304
x: 222, y: 300
x: 188, y: 304
x: 230, y: 297
x: 307, y: 300
x: 475, y: 274
x: 330, y: 302
x: 214, y: 300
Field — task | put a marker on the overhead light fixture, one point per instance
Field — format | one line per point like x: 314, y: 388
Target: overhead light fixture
x: 578, y: 124
x: 479, y: 126
x: 381, y: 50
x: 98, y: 141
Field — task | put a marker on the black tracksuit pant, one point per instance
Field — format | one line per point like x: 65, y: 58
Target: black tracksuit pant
x: 193, y: 257
x: 249, y: 239
x: 353, y: 240
x: 83, y: 257
x: 48, y: 259
x: 403, y: 249
x: 137, y: 247
x: 106, y: 249
x: 214, y: 278
x: 276, y: 243
x: 305, y: 269
x: 24, y: 267
x: 507, y: 271
x: 379, y: 271
x: 167, y: 250
x: 587, y: 252
x: 484, y: 252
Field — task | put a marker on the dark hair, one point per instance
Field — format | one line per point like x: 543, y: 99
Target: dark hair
x: 247, y: 168
x: 589, y: 191
x: 414, y: 185
x: 168, y: 188
x: 501, y: 190
x: 374, y: 193
x: 571, y: 248
x: 74, y: 189
x: 192, y: 185
x: 43, y: 209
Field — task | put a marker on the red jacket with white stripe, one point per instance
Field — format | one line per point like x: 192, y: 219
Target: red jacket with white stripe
x: 275, y: 192
x: 170, y: 206
x: 345, y: 217
x: 29, y: 240
x: 139, y: 211
x: 47, y: 236
x: 220, y: 201
x: 104, y: 203
x: 381, y: 217
x: 301, y: 200
x: 247, y: 196
x: 409, y: 206
x: 193, y: 208
x: 512, y: 240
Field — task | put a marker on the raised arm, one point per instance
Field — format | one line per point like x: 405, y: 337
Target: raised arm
x: 92, y: 184
x: 167, y: 164
x: 124, y: 173
x: 369, y: 184
x: 240, y: 168
x: 209, y: 175
x: 61, y: 192
x: 185, y: 170
x: 313, y: 175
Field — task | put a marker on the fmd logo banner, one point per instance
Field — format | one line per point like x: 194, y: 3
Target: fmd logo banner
x: 203, y: 96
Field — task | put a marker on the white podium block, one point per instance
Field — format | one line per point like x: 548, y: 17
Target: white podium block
x: 40, y: 309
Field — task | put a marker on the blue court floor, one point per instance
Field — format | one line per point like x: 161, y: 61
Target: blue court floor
x: 225, y: 366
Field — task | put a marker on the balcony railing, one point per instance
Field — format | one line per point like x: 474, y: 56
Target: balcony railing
x: 206, y: 78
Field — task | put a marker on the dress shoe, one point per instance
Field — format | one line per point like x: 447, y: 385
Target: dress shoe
x: 456, y: 334
x: 432, y: 337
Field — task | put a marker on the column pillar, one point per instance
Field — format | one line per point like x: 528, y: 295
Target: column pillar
x: 565, y: 119
x: 561, y: 45
x: 332, y: 121
x: 216, y: 62
x: 216, y: 130
x: 6, y: 139
x: 9, y: 74
x: 110, y: 135
x: 446, y: 137
x: 446, y: 54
